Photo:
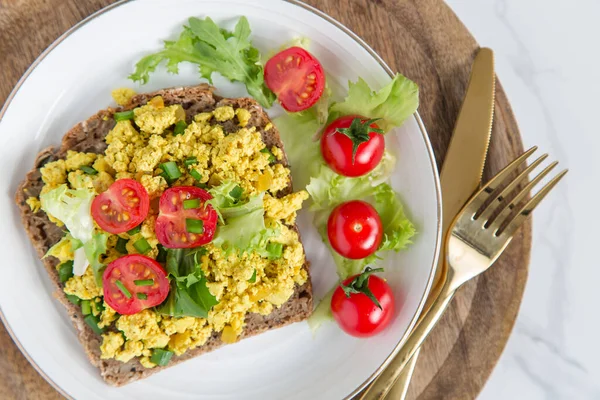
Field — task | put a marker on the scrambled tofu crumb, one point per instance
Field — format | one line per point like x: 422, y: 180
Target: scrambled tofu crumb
x: 53, y: 174
x: 83, y: 286
x: 146, y: 363
x: 111, y: 344
x: 268, y: 126
x: 284, y: 208
x: 156, y: 120
x: 155, y: 185
x: 224, y: 113
x: 62, y: 250
x: 33, y: 203
x: 243, y: 116
x: 76, y: 160
x: 143, y: 326
x: 108, y: 316
x: 122, y: 95
x: 277, y: 152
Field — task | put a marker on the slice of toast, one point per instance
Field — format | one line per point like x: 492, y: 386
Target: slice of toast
x: 88, y: 136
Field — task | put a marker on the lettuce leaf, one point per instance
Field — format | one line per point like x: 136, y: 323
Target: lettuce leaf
x: 72, y: 207
x: 303, y: 153
x: 394, y: 103
x: 93, y: 249
x: 244, y: 230
x: 213, y: 49
x: 189, y: 296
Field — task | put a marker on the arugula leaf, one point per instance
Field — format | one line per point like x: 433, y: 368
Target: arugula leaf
x: 394, y: 103
x: 213, y: 49
x: 189, y: 295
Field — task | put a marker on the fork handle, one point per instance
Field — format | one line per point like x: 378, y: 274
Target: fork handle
x: 384, y: 383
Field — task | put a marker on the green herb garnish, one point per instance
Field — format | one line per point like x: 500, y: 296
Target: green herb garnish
x: 274, y: 250
x: 191, y: 203
x: 144, y: 282
x: 65, y: 271
x: 135, y: 231
x: 190, y: 161
x: 171, y: 170
x: 180, y: 128
x: 161, y: 357
x: 253, y: 277
x: 92, y: 322
x: 141, y: 296
x: 124, y: 115
x: 142, y: 246
x: 194, y: 225
x: 196, y: 175
x: 88, y: 170
x: 123, y: 289
x: 86, y: 307
x: 272, y: 158
x: 121, y: 245
x: 74, y: 299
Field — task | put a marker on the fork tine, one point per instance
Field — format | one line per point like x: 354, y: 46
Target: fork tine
x: 507, y: 208
x: 489, y: 209
x: 483, y: 194
x: 524, y: 211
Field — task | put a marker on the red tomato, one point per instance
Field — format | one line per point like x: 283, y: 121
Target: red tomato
x: 354, y: 229
x: 174, y: 223
x: 357, y: 314
x: 296, y: 77
x: 351, y: 147
x: 133, y: 283
x: 122, y: 207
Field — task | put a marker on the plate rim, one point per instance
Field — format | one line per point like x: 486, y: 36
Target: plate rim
x: 390, y: 73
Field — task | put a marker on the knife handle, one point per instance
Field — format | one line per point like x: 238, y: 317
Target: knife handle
x: 381, y: 387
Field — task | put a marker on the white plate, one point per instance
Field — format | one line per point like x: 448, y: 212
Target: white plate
x: 73, y: 79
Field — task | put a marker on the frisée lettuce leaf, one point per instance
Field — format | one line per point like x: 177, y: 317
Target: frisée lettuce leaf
x: 202, y: 42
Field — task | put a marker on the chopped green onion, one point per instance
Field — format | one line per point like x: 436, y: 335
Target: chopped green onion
x: 162, y: 254
x: 190, y: 161
x: 194, y: 225
x: 272, y: 158
x: 144, y: 282
x: 92, y: 321
x: 121, y: 245
x: 236, y: 192
x: 141, y: 296
x: 74, y: 299
x: 135, y: 230
x: 253, y: 277
x: 171, y: 170
x: 123, y: 289
x: 123, y: 115
x: 88, y: 170
x: 191, y: 203
x: 86, y: 307
x: 99, y: 306
x: 65, y: 271
x: 196, y: 175
x: 180, y: 127
x: 142, y: 246
x: 275, y: 250
x: 161, y: 357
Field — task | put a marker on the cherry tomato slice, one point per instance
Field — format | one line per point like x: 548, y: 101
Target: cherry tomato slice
x: 133, y: 283
x: 354, y: 229
x: 177, y: 227
x: 358, y: 315
x: 296, y: 77
x: 122, y: 207
x: 338, y: 149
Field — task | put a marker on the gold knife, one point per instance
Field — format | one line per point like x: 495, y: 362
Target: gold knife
x: 460, y: 177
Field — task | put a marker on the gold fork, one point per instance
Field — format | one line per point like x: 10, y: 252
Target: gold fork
x: 477, y: 237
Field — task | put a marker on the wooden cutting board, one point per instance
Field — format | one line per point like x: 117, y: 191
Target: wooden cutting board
x: 424, y: 40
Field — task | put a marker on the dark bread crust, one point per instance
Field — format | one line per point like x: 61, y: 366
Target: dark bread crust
x: 88, y: 136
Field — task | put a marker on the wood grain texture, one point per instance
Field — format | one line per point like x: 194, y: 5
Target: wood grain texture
x: 424, y: 40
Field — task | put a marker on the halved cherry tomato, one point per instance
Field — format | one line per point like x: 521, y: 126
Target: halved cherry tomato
x: 177, y: 227
x: 296, y: 77
x: 354, y: 229
x: 133, y: 283
x: 354, y: 309
x: 351, y: 146
x: 122, y: 207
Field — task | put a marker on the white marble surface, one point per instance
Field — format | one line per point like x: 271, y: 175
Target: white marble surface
x: 548, y: 59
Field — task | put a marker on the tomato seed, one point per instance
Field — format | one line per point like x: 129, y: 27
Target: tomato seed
x: 289, y: 59
x: 304, y: 95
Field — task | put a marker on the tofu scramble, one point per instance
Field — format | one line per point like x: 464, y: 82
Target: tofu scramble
x: 242, y: 283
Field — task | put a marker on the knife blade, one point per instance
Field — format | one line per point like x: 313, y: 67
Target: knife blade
x: 460, y: 178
